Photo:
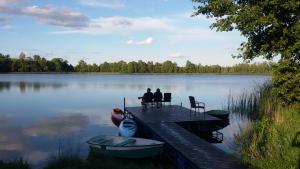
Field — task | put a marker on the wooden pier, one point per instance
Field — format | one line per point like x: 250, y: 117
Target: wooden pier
x: 184, y: 148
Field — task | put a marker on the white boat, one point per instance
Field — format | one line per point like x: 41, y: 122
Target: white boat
x: 125, y: 147
x: 128, y: 128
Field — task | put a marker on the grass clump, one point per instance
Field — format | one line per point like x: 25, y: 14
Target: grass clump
x: 95, y: 161
x: 273, y: 139
x: 16, y: 164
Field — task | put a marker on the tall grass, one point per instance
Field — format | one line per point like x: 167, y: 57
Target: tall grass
x: 257, y: 104
x: 272, y: 140
x: 16, y: 164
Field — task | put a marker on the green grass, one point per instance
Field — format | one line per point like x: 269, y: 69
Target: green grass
x: 94, y: 162
x: 272, y: 145
x: 97, y: 162
x: 273, y: 139
x: 17, y: 164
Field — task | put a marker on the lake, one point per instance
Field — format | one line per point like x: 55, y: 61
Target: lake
x: 44, y: 114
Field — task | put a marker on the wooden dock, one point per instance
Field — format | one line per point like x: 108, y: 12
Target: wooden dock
x: 183, y: 147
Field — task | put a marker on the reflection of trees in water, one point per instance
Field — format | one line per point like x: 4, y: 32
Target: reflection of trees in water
x: 133, y: 86
x: 36, y: 86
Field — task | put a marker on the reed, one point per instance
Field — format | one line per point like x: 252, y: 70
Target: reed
x: 256, y: 104
x: 273, y: 138
x: 16, y: 164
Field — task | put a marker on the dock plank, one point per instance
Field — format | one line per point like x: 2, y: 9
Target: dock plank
x: 173, y: 113
x: 163, y: 123
x: 196, y: 150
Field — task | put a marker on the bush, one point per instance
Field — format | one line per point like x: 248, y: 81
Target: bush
x: 286, y: 81
x: 271, y: 145
x: 17, y: 164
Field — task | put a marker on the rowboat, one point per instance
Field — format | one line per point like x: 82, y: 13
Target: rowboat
x: 117, y: 115
x: 125, y: 147
x: 128, y: 128
x: 219, y: 113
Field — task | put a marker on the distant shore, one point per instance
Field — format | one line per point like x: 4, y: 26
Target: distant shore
x: 115, y: 73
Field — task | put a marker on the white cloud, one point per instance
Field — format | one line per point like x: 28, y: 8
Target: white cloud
x: 147, y: 41
x: 10, y: 2
x: 51, y: 15
x: 57, y: 125
x: 177, y: 55
x: 123, y: 25
x: 195, y: 35
x: 103, y: 4
x: 3, y: 21
x: 56, y: 16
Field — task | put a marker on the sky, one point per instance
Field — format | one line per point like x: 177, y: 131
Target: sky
x: 114, y: 30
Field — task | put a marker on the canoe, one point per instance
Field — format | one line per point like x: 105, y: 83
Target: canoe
x: 125, y: 147
x: 117, y: 115
x: 127, y: 128
x: 219, y: 113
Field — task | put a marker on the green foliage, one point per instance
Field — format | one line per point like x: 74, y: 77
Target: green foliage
x: 272, y: 27
x: 35, y: 64
x: 5, y: 63
x: 272, y: 140
x: 286, y: 80
x: 270, y: 145
x: 17, y: 164
x: 97, y: 162
x: 260, y: 103
x: 39, y: 64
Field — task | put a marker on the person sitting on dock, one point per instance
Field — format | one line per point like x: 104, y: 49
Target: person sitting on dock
x: 147, y: 98
x: 157, y: 97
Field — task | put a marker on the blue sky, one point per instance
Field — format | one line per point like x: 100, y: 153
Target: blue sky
x: 113, y: 30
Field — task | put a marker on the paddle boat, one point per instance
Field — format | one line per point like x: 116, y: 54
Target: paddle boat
x: 125, y: 147
x: 128, y: 127
x: 117, y: 115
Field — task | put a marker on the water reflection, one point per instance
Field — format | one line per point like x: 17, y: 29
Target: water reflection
x: 23, y: 86
x: 44, y: 112
x: 42, y: 140
x: 58, y: 125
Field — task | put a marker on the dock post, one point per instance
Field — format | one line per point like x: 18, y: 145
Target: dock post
x: 124, y: 105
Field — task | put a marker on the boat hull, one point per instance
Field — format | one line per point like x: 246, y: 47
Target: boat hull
x: 224, y: 115
x: 125, y: 152
x: 117, y: 116
x: 125, y: 147
x: 128, y: 128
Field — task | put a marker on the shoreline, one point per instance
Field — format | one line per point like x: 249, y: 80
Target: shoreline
x: 110, y: 73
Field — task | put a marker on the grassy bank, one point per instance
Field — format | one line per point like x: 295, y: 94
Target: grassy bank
x: 273, y: 139
x: 17, y: 164
x: 94, y: 162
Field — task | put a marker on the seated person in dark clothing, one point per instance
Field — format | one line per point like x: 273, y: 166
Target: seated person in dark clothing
x: 158, y: 97
x: 147, y: 97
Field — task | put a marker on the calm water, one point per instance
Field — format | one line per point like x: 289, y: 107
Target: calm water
x: 41, y: 114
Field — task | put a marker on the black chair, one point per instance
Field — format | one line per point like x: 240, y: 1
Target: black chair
x: 196, y: 105
x: 147, y: 99
x: 167, y: 97
x: 157, y: 98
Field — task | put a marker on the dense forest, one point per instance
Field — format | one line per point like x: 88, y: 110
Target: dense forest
x: 40, y: 64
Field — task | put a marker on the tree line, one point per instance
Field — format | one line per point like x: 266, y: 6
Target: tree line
x: 40, y: 64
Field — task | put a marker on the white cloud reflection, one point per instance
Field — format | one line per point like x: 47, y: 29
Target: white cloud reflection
x: 58, y: 125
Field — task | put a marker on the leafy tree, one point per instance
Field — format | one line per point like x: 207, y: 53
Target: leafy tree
x: 272, y: 28
x: 287, y: 87
x: 5, y: 63
x: 190, y: 67
x: 82, y: 66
